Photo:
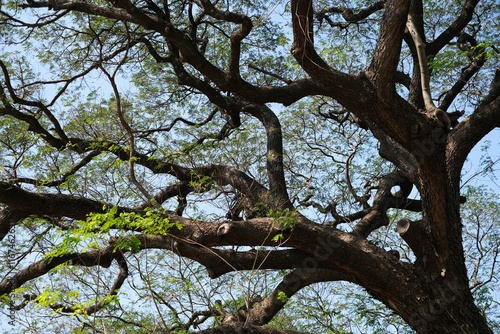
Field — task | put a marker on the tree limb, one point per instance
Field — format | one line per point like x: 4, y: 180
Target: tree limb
x: 455, y: 27
x: 99, y: 257
x: 348, y: 13
x: 385, y: 59
x: 265, y: 310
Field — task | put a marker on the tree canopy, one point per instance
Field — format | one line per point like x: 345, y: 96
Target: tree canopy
x: 236, y: 166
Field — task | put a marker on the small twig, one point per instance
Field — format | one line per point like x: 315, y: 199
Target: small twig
x: 125, y: 125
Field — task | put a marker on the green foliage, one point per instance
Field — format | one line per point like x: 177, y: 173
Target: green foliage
x: 282, y: 297
x: 149, y: 222
x: 286, y: 219
x: 90, y: 233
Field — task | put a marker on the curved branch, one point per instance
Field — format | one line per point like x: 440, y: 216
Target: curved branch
x: 144, y: 19
x: 274, y: 154
x: 33, y: 124
x: 454, y: 29
x: 87, y: 159
x: 99, y: 257
x: 466, y: 74
x: 221, y: 174
x: 236, y: 37
x: 40, y: 22
x: 123, y: 122
x: 469, y: 132
x: 359, y: 199
x: 190, y: 53
x: 86, y: 71
x: 179, y: 119
x: 341, y: 86
x: 264, y: 311
x: 180, y: 189
x: 36, y: 104
x: 265, y: 115
x: 377, y: 217
x: 113, y: 291
x: 348, y: 13
x: 85, y: 7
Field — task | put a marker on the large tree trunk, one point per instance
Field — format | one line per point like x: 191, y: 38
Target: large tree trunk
x: 443, y: 302
x: 451, y: 310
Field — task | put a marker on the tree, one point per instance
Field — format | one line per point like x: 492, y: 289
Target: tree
x: 115, y: 150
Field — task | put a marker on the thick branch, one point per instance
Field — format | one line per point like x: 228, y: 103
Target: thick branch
x: 48, y: 204
x: 85, y: 7
x: 414, y: 235
x: 8, y: 219
x: 422, y: 60
x: 377, y: 217
x: 180, y: 189
x: 454, y: 29
x: 274, y: 152
x: 339, y: 84
x: 469, y: 132
x: 386, y: 57
x: 441, y: 116
x: 221, y: 261
x: 236, y: 37
x: 357, y: 256
x: 259, y: 231
x: 264, y: 311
